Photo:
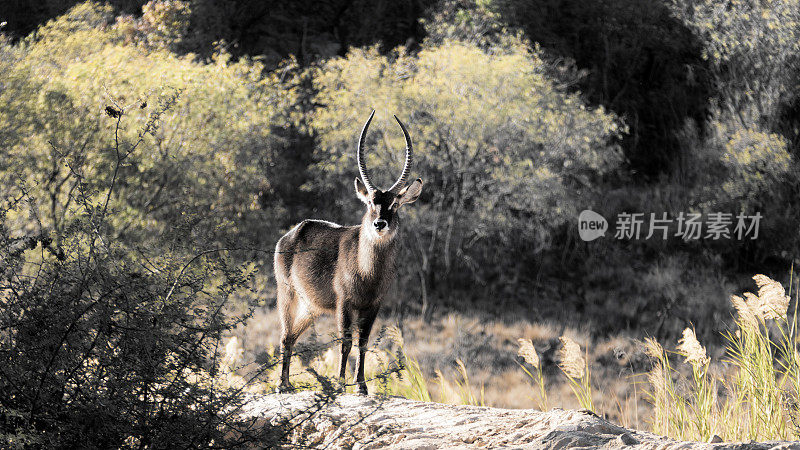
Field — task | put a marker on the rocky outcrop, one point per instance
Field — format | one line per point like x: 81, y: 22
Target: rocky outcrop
x: 352, y: 421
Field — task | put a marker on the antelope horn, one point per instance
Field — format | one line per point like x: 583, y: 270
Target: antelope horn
x: 409, y: 158
x: 362, y: 168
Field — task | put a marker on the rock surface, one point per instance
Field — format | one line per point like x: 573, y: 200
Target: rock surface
x: 353, y: 421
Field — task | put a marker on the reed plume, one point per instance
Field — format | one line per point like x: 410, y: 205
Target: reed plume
x: 690, y: 348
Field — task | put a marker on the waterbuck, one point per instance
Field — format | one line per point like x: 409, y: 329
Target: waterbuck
x: 324, y: 267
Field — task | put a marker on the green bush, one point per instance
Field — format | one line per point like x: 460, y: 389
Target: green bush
x: 214, y: 149
x: 105, y: 344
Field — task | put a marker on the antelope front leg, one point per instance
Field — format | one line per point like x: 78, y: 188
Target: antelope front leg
x: 365, y: 321
x: 344, y: 321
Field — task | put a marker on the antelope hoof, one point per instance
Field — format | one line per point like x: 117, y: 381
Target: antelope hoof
x: 284, y: 389
x: 362, y: 390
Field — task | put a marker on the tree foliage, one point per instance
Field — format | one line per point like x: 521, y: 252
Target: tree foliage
x: 505, y: 152
x: 205, y: 130
x: 640, y: 61
x: 753, y: 49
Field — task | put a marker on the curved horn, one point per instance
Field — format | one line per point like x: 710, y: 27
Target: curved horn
x: 409, y: 158
x: 362, y: 168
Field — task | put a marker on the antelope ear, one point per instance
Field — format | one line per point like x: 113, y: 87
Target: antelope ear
x: 361, y: 191
x: 410, y: 193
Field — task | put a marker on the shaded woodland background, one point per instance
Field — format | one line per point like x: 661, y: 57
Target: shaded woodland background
x: 138, y: 138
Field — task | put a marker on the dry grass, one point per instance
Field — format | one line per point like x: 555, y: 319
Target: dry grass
x: 465, y: 360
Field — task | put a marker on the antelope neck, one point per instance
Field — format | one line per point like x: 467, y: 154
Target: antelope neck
x: 373, y: 250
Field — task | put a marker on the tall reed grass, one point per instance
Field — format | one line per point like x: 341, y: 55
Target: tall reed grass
x: 528, y: 353
x: 752, y: 395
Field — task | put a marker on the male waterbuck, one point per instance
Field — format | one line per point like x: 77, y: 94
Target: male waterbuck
x: 324, y: 267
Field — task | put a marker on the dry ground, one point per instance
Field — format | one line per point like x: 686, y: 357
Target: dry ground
x: 355, y: 421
